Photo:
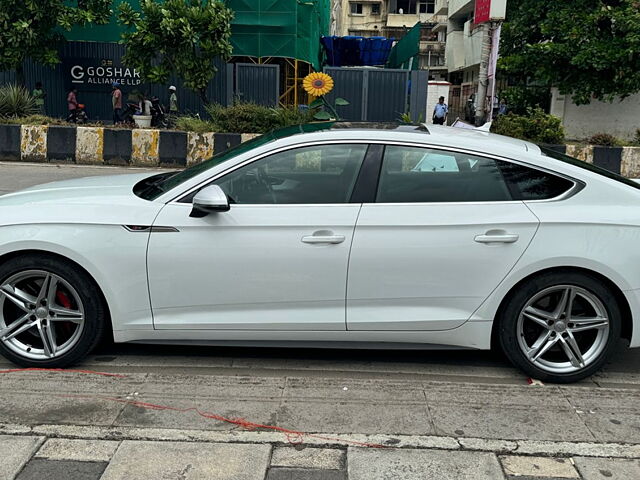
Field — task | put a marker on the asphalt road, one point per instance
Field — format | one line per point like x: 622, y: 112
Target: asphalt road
x: 408, y: 395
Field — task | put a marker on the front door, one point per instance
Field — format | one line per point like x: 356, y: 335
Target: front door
x: 443, y: 233
x: 276, y: 261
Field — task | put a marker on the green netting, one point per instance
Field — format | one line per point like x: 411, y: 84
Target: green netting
x: 405, y: 49
x: 260, y: 28
x: 280, y: 28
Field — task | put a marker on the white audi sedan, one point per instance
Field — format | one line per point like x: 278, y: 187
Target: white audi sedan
x: 336, y: 235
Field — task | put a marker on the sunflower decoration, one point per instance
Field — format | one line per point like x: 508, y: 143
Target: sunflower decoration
x: 318, y: 84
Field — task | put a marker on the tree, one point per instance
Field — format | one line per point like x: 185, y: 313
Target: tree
x: 179, y: 37
x: 32, y: 28
x: 586, y: 48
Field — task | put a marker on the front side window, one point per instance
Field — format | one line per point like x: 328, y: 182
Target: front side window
x: 375, y: 9
x: 308, y: 175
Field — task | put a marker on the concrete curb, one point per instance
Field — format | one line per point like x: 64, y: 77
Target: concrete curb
x: 519, y: 447
x: 169, y: 148
x: 112, y: 146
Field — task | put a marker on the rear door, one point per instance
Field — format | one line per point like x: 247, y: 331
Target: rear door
x: 443, y: 232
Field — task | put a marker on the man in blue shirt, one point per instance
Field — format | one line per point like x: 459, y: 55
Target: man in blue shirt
x: 440, y: 112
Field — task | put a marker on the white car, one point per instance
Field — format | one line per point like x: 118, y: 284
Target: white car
x: 333, y: 235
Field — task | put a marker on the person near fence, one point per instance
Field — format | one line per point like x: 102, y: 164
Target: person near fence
x: 173, y: 105
x: 72, y: 104
x: 440, y: 112
x: 116, y: 102
x: 39, y: 95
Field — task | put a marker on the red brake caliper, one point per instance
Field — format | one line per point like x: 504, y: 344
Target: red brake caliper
x: 63, y: 300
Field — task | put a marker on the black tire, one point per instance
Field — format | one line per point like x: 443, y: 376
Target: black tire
x: 516, y: 302
x: 94, y: 309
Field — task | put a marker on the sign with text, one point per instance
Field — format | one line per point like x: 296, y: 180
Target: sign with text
x: 92, y: 74
x: 482, y: 11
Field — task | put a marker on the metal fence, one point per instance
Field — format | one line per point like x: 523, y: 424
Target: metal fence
x: 379, y: 95
x: 257, y: 83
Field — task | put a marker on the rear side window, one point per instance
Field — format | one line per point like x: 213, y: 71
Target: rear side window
x: 531, y: 184
x: 414, y: 174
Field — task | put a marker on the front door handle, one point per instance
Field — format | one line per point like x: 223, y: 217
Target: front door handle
x: 501, y: 237
x: 321, y: 237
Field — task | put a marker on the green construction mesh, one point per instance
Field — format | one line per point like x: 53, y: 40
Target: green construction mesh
x: 261, y: 28
x: 405, y: 49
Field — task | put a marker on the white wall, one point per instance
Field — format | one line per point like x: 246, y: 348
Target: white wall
x: 620, y: 118
x: 434, y: 92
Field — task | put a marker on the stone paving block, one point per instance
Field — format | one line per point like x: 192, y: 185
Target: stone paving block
x: 40, y: 469
x: 370, y: 464
x: 305, y: 474
x: 320, y: 458
x: 509, y: 423
x: 607, y: 468
x: 353, y: 389
x: 188, y: 461
x: 79, y: 450
x: 355, y: 417
x: 538, y: 467
x: 15, y: 453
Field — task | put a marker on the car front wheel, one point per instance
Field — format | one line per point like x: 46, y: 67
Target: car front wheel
x: 560, y: 327
x: 51, y: 312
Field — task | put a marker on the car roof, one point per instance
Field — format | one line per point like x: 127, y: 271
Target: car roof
x: 437, y: 135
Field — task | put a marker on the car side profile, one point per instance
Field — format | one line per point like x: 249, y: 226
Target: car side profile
x: 337, y: 235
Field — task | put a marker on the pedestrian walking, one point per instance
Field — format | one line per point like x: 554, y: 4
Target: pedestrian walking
x: 440, y: 112
x: 173, y: 106
x: 116, y: 102
x: 72, y: 104
x: 502, y: 108
x: 39, y: 95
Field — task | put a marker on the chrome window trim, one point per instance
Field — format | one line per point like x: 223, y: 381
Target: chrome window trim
x: 577, y: 184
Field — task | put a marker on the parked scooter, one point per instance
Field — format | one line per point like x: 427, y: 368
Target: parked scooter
x: 158, y: 114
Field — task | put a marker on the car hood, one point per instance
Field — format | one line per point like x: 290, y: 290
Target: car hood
x: 107, y: 199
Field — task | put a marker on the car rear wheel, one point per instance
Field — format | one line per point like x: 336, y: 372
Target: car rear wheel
x: 560, y: 327
x: 51, y: 312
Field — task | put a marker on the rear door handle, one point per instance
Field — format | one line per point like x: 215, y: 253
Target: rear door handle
x: 328, y: 239
x: 497, y: 238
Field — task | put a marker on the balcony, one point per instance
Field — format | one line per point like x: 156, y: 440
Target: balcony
x: 459, y: 8
x: 434, y: 47
x: 402, y: 20
x: 472, y: 45
x: 441, y: 7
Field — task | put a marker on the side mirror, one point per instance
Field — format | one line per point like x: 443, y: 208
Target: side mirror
x: 209, y: 200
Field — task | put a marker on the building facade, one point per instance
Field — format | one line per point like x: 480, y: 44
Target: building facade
x: 463, y: 51
x: 392, y: 18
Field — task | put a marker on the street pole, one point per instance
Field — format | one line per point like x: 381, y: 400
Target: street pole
x: 481, y: 95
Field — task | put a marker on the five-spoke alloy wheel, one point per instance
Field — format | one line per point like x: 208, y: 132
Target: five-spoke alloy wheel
x: 560, y: 327
x: 51, y: 313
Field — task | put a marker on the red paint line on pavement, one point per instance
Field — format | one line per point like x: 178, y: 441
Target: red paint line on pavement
x: 62, y: 370
x: 294, y: 437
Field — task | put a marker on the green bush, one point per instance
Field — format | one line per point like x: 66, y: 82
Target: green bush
x: 252, y: 118
x: 16, y: 101
x: 636, y: 138
x: 520, y: 99
x: 603, y: 139
x: 537, y: 126
x: 194, y: 124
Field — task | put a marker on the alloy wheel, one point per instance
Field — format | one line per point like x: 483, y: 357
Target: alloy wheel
x: 41, y: 315
x: 563, y: 329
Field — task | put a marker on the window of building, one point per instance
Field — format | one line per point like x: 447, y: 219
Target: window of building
x: 429, y: 6
x: 356, y: 8
x: 375, y: 9
x: 406, y: 6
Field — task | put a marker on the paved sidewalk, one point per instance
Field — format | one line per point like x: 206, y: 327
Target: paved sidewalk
x: 38, y: 457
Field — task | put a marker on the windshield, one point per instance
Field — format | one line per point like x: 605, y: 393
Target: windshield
x: 151, y: 188
x: 589, y: 166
